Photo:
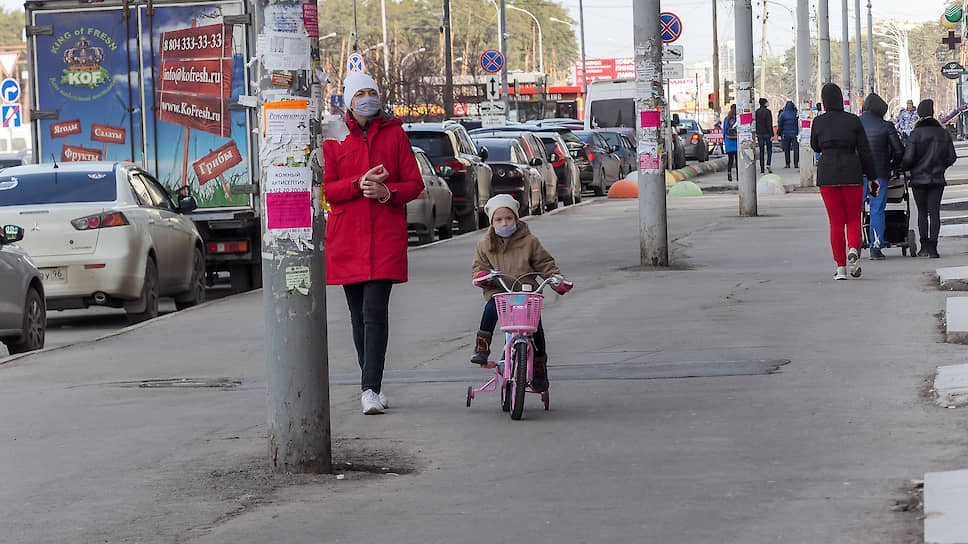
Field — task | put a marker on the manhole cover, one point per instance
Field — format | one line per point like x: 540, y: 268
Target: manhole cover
x: 218, y: 383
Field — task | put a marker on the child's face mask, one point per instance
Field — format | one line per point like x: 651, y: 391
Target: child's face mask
x: 506, y: 230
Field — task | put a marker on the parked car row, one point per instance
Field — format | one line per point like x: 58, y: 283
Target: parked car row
x: 97, y: 234
x: 541, y: 164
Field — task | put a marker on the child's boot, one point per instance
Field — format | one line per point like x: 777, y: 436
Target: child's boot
x: 540, y: 378
x: 482, y: 348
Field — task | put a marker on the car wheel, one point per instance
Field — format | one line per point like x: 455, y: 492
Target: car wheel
x: 468, y: 222
x: 446, y: 230
x: 148, y: 303
x: 524, y: 204
x: 569, y: 199
x: 196, y: 292
x: 541, y: 203
x: 35, y: 325
x: 424, y: 238
x: 554, y: 202
x: 599, y: 189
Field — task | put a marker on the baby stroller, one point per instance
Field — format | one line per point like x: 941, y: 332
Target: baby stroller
x: 897, y: 219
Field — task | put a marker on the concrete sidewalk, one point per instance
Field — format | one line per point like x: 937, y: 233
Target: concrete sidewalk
x: 798, y: 414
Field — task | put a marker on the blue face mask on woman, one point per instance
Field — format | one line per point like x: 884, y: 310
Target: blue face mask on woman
x: 367, y: 106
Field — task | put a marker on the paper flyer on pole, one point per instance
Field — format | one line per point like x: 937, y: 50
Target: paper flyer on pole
x: 287, y: 120
x: 289, y: 203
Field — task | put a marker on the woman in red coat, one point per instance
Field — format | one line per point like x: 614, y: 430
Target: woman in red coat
x: 369, y: 178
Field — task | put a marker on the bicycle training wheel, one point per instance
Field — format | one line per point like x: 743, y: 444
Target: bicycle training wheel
x: 520, y: 381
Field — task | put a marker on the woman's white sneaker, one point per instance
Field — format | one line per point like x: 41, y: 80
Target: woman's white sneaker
x: 840, y: 273
x: 371, y: 402
x: 853, y: 263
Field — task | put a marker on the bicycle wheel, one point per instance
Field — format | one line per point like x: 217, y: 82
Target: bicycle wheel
x: 520, y: 358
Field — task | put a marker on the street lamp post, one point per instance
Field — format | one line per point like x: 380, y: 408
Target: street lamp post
x: 540, y: 40
x: 403, y: 62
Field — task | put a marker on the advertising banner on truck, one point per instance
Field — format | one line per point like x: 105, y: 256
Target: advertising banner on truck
x: 152, y: 88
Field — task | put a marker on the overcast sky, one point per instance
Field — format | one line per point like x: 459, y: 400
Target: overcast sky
x: 608, y: 23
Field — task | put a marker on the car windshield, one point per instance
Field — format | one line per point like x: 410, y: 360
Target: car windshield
x: 57, y: 188
x: 585, y: 136
x: 689, y: 124
x: 7, y: 163
x: 497, y: 150
x: 615, y: 112
x: 550, y: 145
x: 612, y: 138
x: 434, y: 144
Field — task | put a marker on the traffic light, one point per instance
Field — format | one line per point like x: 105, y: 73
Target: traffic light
x: 712, y: 101
x: 728, y: 90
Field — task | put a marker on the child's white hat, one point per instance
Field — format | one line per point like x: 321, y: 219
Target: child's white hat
x: 500, y: 201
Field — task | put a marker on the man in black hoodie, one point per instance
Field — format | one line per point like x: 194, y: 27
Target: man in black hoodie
x: 764, y: 135
x: 928, y: 154
x: 887, y: 152
x: 845, y: 159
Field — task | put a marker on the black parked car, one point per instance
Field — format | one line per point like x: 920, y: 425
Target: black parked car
x: 536, y: 156
x: 448, y: 144
x: 513, y: 174
x: 604, y: 167
x: 569, y: 180
x: 623, y: 147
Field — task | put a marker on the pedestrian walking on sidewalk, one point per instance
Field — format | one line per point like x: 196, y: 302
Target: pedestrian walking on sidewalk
x: 845, y: 158
x: 729, y: 142
x: 906, y: 120
x: 509, y: 246
x: 764, y: 135
x: 928, y: 154
x: 369, y: 178
x: 788, y: 129
x: 887, y: 152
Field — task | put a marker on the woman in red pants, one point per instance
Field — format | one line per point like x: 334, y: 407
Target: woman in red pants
x: 845, y: 158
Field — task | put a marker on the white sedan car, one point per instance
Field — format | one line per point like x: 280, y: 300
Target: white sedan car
x: 105, y: 234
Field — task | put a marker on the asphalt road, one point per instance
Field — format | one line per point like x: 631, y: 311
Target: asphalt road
x: 740, y: 396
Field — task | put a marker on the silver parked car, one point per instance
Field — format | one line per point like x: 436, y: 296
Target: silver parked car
x: 432, y: 211
x: 23, y: 314
x: 105, y: 234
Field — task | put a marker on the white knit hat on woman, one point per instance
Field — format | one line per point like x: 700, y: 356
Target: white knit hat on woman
x: 500, y: 201
x: 354, y: 82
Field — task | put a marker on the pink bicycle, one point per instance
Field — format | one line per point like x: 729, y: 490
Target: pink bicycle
x: 518, y: 314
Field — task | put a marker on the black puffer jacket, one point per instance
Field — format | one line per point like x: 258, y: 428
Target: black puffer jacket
x: 929, y: 153
x: 886, y: 148
x: 845, y: 155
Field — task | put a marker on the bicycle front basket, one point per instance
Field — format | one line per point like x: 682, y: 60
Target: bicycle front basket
x: 518, y: 312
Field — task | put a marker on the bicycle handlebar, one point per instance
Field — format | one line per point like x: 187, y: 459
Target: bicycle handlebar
x: 499, y: 276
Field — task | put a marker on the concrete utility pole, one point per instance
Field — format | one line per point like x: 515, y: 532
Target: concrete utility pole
x: 504, y: 52
x: 803, y: 89
x: 386, y: 44
x: 649, y: 100
x: 859, y: 58
x: 448, y: 63
x: 845, y: 55
x: 871, y: 79
x: 717, y: 101
x: 293, y: 269
x: 766, y: 15
x: 584, y: 66
x: 744, y: 107
x: 823, y: 20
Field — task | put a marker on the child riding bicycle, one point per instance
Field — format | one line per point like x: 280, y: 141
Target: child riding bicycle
x: 509, y: 246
